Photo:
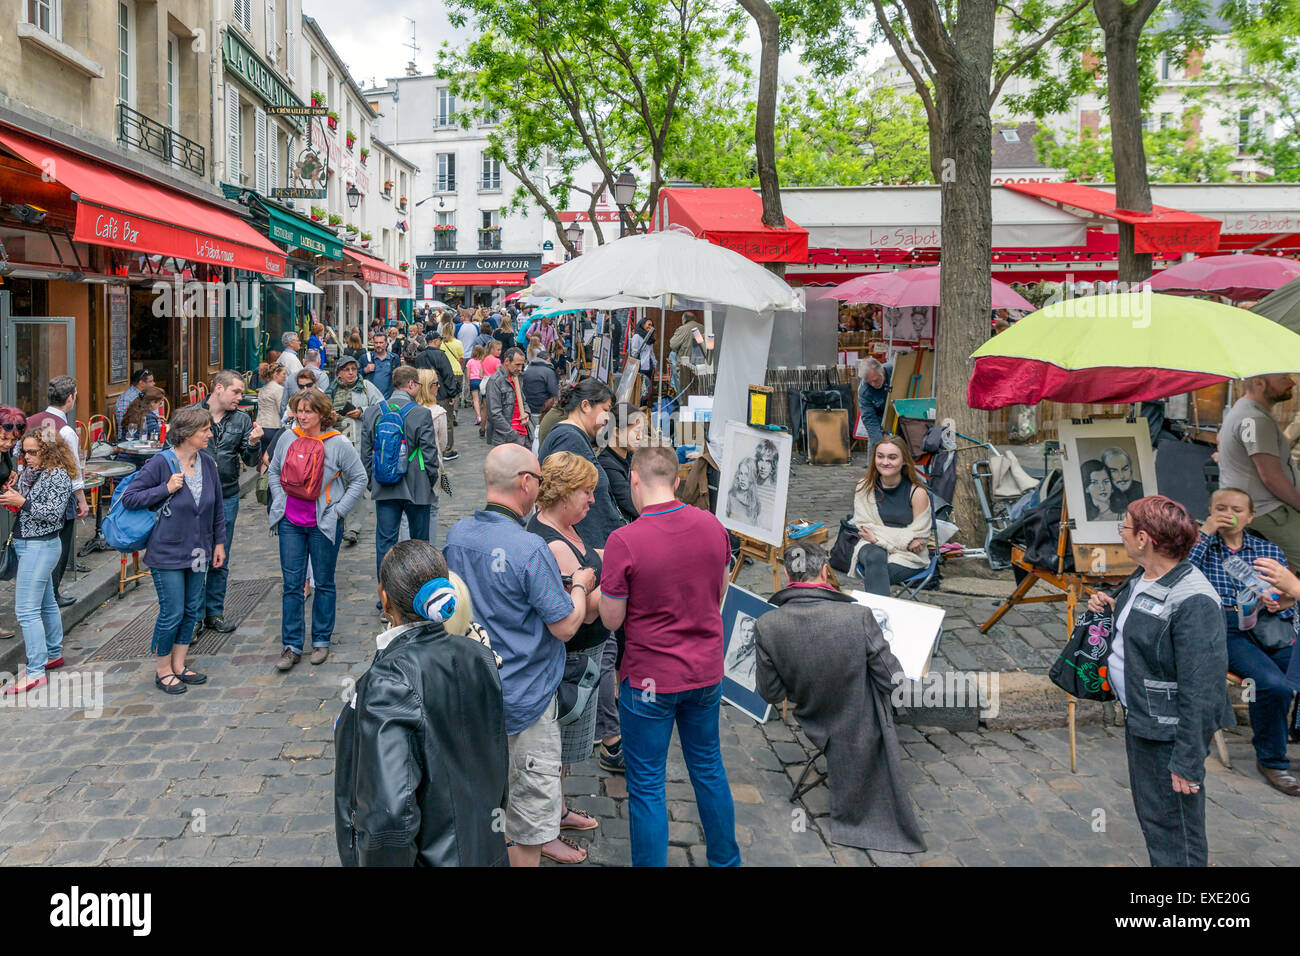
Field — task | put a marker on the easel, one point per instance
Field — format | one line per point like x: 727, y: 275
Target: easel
x: 1073, y: 585
x: 772, y: 554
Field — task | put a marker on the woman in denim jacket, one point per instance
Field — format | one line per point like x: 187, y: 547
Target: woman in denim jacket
x: 1168, y: 665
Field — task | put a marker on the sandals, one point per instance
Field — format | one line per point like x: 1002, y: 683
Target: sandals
x: 192, y: 677
x: 569, y: 843
x: 171, y: 684
x: 585, y: 820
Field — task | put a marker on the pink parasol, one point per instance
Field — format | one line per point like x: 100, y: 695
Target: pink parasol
x: 1234, y: 277
x: 916, y: 287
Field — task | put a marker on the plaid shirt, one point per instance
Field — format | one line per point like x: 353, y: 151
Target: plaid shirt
x: 1209, y: 553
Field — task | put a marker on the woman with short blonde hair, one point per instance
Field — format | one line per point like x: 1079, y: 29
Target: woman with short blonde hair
x: 566, y: 492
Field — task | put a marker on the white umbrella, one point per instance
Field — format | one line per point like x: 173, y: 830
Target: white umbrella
x: 670, y: 270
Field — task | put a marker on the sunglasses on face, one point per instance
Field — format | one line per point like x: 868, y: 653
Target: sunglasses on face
x: 14, y: 428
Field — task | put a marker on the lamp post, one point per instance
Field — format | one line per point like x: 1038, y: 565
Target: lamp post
x: 354, y: 196
x: 573, y: 233
x: 624, y: 193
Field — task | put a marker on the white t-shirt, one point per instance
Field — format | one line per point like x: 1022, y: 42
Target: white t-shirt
x: 1115, y: 663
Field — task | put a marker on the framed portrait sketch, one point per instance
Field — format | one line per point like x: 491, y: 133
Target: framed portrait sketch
x: 740, y: 609
x: 754, y: 481
x: 911, y: 629
x: 907, y: 323
x: 1107, y: 465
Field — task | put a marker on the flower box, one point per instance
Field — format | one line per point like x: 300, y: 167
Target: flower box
x: 444, y: 228
x: 365, y: 154
x: 404, y: 266
x: 401, y: 202
x: 352, y: 138
x: 333, y: 120
x: 317, y: 214
x: 335, y: 219
x: 352, y: 230
x: 317, y: 98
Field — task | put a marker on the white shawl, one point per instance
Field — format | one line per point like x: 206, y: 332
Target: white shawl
x: 893, y: 540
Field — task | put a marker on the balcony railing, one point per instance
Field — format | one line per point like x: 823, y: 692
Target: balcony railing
x: 489, y: 185
x: 136, y: 129
x: 489, y: 239
x: 444, y: 240
x: 444, y: 184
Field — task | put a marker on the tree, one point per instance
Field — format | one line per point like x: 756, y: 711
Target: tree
x: 769, y: 32
x: 1174, y: 154
x: 829, y: 133
x: 1266, y: 89
x: 602, y: 82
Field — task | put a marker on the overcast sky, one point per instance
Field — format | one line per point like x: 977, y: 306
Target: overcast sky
x: 374, y: 46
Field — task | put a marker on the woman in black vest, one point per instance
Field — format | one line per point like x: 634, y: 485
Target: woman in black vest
x: 891, y: 510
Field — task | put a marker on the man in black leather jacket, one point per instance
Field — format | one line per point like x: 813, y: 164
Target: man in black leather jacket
x: 236, y: 441
x: 420, y: 768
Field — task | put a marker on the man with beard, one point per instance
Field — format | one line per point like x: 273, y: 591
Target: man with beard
x: 1255, y: 456
x: 1119, y: 466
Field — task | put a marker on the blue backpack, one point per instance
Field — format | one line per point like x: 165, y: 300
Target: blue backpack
x: 389, y: 457
x: 128, y: 529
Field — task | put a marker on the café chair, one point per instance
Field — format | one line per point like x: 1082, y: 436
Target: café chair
x: 201, y: 389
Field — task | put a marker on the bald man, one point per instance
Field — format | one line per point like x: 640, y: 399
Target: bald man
x: 521, y: 599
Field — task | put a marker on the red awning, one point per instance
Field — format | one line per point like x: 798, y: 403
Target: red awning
x: 376, y: 270
x: 120, y: 209
x: 1162, y: 230
x: 733, y: 219
x: 480, y: 278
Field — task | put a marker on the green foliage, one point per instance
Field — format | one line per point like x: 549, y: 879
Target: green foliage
x: 572, y: 80
x: 828, y: 133
x: 1177, y: 154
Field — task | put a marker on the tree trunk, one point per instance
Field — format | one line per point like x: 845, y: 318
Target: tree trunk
x: 769, y: 181
x: 1122, y: 24
x: 965, y: 66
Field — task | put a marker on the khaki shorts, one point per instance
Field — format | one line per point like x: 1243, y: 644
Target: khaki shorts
x: 534, y: 799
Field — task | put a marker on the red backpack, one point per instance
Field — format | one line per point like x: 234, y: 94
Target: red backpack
x: 303, y: 471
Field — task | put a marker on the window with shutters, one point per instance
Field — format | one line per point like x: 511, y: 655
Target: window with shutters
x: 234, y: 141
x: 244, y: 15
x: 272, y: 154
x: 290, y: 68
x: 259, y: 148
x: 272, y: 32
x: 290, y: 158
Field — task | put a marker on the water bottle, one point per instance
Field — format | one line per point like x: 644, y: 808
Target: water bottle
x: 1243, y: 572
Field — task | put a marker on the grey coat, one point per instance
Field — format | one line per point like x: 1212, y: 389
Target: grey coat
x: 417, y: 484
x: 499, y: 396
x: 343, y: 488
x: 827, y: 655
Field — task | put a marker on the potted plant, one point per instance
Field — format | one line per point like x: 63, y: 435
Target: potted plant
x: 317, y: 98
x: 365, y: 238
x: 317, y: 214
x: 333, y: 120
x: 352, y: 138
x: 444, y: 228
x: 335, y: 219
x: 404, y: 266
x: 352, y: 230
x: 365, y: 154
x: 402, y: 202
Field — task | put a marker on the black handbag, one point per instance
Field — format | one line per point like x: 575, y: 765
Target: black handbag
x: 841, y: 556
x: 9, y: 560
x: 1081, y: 668
x: 1270, y: 632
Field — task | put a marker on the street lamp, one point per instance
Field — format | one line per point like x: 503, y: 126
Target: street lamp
x: 354, y: 196
x: 573, y: 233
x: 624, y: 194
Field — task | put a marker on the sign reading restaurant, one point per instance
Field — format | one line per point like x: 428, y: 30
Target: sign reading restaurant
x: 532, y: 264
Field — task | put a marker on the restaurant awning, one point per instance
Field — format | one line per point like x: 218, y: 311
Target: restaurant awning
x: 479, y: 278
x: 120, y: 209
x: 377, y: 271
x: 1162, y: 230
x: 733, y: 219
x: 297, y: 233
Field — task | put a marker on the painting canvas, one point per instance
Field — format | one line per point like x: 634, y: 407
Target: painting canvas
x: 740, y: 609
x: 754, y: 481
x: 1107, y: 464
x: 907, y: 323
x: 911, y: 630
x: 602, y: 367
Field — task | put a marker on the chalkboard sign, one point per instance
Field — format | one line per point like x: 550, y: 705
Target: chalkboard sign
x: 119, y: 353
x: 214, y: 339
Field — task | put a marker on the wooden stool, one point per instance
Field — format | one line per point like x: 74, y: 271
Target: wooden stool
x: 123, y: 579
x: 1220, y: 742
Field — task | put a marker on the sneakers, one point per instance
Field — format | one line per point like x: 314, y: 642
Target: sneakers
x: 219, y: 624
x: 319, y: 655
x: 611, y: 761
x: 451, y: 456
x: 288, y: 658
x: 54, y: 664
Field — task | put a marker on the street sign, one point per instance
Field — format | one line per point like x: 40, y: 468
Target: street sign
x: 298, y: 110
x: 547, y: 246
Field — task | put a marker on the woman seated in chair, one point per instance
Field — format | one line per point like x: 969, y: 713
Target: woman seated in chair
x: 891, y: 510
x: 141, y: 423
x: 1259, y: 631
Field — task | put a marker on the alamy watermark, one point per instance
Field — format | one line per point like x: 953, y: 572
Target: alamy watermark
x: 63, y: 690
x: 239, y: 299
x: 951, y: 689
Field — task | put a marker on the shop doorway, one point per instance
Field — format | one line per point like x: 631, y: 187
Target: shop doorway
x: 36, y: 349
x: 157, y: 343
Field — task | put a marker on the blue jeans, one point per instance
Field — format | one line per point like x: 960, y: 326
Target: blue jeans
x: 34, y: 606
x: 296, y: 546
x: 388, y: 521
x: 1268, y: 712
x: 647, y: 730
x: 215, y: 600
x: 180, y: 606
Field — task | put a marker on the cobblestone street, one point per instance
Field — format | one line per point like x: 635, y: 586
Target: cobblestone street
x: 240, y: 770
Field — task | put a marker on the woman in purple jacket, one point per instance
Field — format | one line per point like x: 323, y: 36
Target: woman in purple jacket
x: 190, y: 535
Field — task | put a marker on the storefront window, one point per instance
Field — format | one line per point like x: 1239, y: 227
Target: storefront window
x: 453, y: 295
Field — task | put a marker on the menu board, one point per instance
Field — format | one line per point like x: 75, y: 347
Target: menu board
x: 119, y: 326
x: 214, y: 339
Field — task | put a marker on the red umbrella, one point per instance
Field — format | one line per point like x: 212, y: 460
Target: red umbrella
x: 916, y: 287
x: 1234, y: 276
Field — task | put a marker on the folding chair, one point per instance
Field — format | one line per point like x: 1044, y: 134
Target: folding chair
x: 800, y: 787
x: 923, y: 577
x: 996, y: 515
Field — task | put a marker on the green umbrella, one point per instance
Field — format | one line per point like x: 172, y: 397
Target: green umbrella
x: 1282, y: 306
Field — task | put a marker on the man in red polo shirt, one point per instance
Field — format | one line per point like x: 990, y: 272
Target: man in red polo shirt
x: 666, y: 574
